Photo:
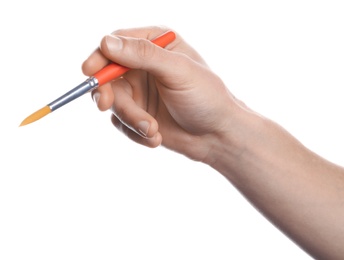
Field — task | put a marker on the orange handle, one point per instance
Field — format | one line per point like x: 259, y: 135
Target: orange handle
x: 114, y: 70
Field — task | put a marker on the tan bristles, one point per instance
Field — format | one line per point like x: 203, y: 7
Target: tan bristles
x: 37, y: 115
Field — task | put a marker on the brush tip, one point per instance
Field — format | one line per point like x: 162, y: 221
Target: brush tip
x: 36, y: 115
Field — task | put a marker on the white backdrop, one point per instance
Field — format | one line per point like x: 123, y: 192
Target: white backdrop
x: 73, y: 187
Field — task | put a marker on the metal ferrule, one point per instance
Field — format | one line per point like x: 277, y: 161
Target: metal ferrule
x: 88, y: 85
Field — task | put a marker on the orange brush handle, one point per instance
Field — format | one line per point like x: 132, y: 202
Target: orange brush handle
x: 114, y: 70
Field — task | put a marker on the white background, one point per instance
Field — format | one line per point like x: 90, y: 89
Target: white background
x: 73, y: 187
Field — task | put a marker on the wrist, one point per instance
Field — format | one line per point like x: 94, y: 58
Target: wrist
x: 230, y: 148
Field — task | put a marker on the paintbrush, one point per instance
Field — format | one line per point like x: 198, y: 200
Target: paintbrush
x: 108, y: 73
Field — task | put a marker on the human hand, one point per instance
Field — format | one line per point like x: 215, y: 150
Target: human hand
x: 170, y: 96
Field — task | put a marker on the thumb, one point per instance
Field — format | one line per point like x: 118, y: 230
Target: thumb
x: 140, y: 53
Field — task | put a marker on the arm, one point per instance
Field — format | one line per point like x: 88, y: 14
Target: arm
x: 172, y: 98
x: 298, y: 191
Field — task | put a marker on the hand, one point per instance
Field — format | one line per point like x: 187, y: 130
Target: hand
x: 170, y: 96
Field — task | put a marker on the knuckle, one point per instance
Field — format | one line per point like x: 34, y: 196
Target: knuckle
x: 145, y: 49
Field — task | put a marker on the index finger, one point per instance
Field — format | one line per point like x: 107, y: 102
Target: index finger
x: 94, y: 63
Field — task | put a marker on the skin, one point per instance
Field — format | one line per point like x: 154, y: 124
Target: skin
x: 171, y: 98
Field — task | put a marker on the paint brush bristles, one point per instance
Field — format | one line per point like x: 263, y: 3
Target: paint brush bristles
x: 37, y: 115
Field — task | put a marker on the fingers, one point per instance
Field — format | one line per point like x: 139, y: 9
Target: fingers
x: 129, y: 115
x: 103, y: 96
x: 173, y: 66
x: 97, y: 60
x: 129, y: 112
x: 136, y: 53
x: 94, y: 63
x: 178, y: 45
x: 152, y: 142
x: 101, y: 56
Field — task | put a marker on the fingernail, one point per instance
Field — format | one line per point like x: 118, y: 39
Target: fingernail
x: 96, y: 97
x: 143, y: 127
x: 113, y: 43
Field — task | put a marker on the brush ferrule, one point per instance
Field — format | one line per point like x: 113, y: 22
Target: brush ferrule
x: 88, y: 85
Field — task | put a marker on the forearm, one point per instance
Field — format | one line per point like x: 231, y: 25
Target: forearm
x: 300, y: 192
